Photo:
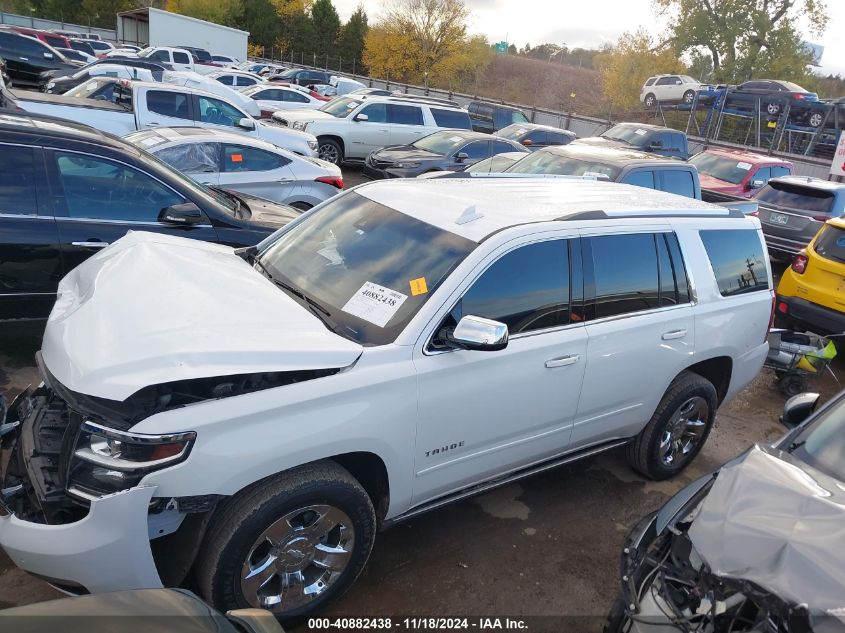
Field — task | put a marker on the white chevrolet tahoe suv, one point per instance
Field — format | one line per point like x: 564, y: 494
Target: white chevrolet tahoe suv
x: 349, y: 128
x: 248, y: 420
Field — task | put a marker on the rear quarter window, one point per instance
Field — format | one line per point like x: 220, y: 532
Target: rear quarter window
x: 737, y: 259
x: 451, y: 119
x: 830, y: 243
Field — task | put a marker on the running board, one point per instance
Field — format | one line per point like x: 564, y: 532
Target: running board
x: 495, y: 483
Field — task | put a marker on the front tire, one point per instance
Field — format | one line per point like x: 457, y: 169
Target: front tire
x: 650, y: 100
x: 290, y: 544
x: 330, y: 151
x: 689, y: 96
x: 677, y: 430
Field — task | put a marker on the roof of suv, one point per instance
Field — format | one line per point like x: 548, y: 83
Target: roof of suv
x: 646, y: 126
x: 475, y: 208
x: 617, y: 156
x: 412, y: 101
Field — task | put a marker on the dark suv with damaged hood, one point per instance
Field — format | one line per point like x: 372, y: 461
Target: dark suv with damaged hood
x: 757, y: 546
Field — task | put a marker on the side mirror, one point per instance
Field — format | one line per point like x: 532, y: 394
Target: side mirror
x: 461, y: 157
x: 48, y: 55
x: 479, y: 334
x: 246, y: 123
x: 362, y: 117
x: 798, y: 408
x: 756, y: 184
x: 528, y: 142
x: 186, y: 214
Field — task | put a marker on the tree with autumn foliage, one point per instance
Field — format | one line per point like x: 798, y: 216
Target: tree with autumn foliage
x: 626, y: 65
x: 420, y: 41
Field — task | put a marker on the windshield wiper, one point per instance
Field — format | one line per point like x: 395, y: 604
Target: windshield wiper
x: 319, y: 311
x: 795, y: 446
x: 232, y: 197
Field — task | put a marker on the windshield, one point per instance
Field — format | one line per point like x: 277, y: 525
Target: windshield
x: 805, y: 199
x: 492, y: 165
x: 822, y: 443
x: 512, y: 132
x: 104, y: 89
x: 545, y: 162
x: 145, y: 52
x: 630, y: 134
x: 688, y: 80
x: 370, y: 268
x: 340, y: 108
x: 830, y: 243
x: 721, y: 167
x: 441, y: 143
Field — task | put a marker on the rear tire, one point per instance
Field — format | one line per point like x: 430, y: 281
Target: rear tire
x: 289, y: 544
x: 677, y: 430
x: 689, y: 96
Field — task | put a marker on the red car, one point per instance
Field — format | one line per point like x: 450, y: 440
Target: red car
x: 53, y: 39
x: 737, y: 172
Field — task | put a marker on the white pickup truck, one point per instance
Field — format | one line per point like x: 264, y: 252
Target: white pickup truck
x: 119, y: 106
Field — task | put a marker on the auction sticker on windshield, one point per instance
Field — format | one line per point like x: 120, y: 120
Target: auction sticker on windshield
x: 374, y: 303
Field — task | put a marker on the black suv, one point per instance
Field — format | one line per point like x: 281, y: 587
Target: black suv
x: 654, y: 139
x: 68, y: 190
x: 26, y: 58
x: 304, y: 77
x: 492, y: 117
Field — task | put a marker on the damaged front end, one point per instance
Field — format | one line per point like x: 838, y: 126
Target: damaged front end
x: 732, y: 557
x: 62, y: 452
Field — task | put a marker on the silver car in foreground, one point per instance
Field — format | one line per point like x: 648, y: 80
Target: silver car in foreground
x: 240, y: 163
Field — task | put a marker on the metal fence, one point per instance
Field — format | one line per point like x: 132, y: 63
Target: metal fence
x: 31, y: 22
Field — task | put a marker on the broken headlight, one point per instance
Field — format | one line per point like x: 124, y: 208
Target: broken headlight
x: 106, y: 460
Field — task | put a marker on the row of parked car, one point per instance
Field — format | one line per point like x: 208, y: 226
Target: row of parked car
x: 766, y: 96
x: 326, y: 361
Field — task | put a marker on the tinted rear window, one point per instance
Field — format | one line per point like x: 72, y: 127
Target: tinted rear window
x: 451, y: 119
x: 831, y: 243
x: 796, y: 197
x: 737, y: 258
x: 625, y: 271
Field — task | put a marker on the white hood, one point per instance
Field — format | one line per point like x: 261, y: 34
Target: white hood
x: 301, y: 115
x: 153, y: 308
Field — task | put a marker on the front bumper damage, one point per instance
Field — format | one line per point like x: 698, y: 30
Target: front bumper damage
x: 96, y: 545
x: 751, y: 549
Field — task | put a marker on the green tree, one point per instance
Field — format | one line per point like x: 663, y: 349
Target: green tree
x: 352, y: 37
x: 103, y: 13
x: 744, y: 37
x: 326, y: 24
x: 512, y: 50
x: 227, y: 12
x: 626, y: 66
x: 259, y: 17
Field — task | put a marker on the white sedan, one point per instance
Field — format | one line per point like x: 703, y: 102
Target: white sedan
x: 273, y: 97
x: 233, y: 161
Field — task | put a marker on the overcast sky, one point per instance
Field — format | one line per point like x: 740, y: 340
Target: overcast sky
x: 590, y: 24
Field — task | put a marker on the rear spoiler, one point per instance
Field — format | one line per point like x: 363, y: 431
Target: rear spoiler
x: 745, y: 208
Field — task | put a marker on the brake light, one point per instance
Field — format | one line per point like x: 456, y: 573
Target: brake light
x: 783, y: 307
x: 755, y: 214
x: 799, y: 95
x: 821, y: 218
x: 771, y: 317
x: 267, y: 114
x: 799, y: 264
x: 334, y: 181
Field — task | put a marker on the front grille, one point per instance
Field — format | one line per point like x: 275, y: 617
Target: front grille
x: 38, y: 460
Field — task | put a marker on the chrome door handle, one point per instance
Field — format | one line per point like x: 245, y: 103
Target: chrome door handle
x: 90, y: 244
x: 674, y: 334
x: 563, y: 361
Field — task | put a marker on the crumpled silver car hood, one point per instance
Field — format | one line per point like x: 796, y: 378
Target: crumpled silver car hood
x: 152, y: 308
x: 779, y: 525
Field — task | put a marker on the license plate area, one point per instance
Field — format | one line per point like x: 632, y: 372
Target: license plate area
x: 778, y: 218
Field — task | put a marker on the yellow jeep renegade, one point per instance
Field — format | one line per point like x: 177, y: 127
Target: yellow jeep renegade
x: 811, y: 293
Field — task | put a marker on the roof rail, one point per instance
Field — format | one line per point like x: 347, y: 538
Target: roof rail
x: 424, y: 99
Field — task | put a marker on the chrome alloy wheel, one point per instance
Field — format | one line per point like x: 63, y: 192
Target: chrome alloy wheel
x: 684, y: 431
x: 297, y: 558
x: 328, y: 152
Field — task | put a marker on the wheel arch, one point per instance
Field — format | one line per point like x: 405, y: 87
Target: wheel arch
x: 718, y: 371
x: 333, y: 137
